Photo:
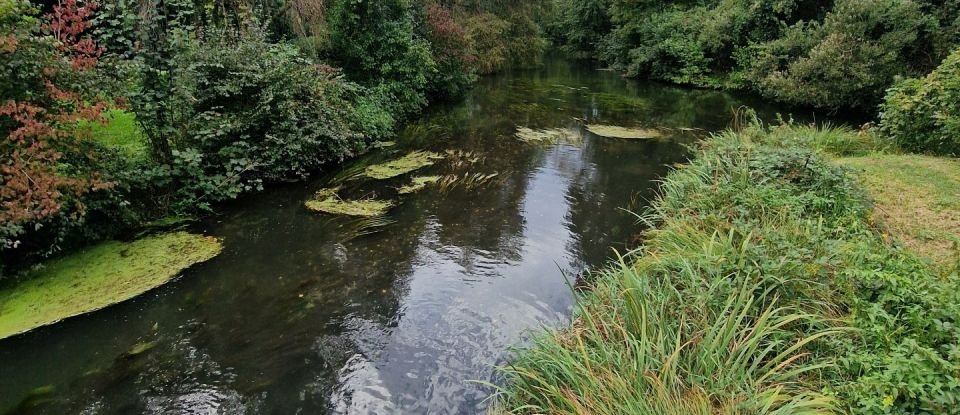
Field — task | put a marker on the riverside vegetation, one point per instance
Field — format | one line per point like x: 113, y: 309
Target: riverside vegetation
x: 767, y: 286
x: 788, y: 269
x: 122, y: 116
x: 121, y: 112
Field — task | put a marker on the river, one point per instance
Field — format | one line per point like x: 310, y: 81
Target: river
x: 305, y: 313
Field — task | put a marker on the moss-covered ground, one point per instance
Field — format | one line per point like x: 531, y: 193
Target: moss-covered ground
x: 97, y: 277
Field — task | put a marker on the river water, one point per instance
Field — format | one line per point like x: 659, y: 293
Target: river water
x: 305, y: 313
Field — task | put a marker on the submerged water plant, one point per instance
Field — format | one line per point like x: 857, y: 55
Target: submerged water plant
x: 630, y: 133
x: 98, y: 277
x: 417, y: 184
x: 328, y: 201
x: 466, y: 181
x: 549, y: 136
x: 406, y: 164
x: 362, y: 226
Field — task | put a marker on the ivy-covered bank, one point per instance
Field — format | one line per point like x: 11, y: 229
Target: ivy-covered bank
x: 766, y: 286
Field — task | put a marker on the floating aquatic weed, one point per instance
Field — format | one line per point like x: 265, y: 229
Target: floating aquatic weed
x: 550, y: 136
x: 616, y: 101
x: 419, y: 183
x: 327, y: 201
x: 612, y: 131
x: 406, y: 164
x: 467, y: 181
x: 421, y: 133
x: 462, y: 158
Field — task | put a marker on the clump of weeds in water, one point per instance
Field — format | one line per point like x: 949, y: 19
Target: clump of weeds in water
x: 328, y: 201
x: 466, y: 181
x: 628, y: 133
x: 550, y: 136
x: 763, y: 288
x: 417, y: 184
x: 406, y: 164
x: 362, y: 226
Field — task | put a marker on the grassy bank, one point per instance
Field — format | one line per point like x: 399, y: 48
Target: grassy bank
x: 767, y: 286
x: 917, y: 198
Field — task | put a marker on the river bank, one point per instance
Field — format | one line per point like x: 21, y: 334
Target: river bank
x: 770, y: 284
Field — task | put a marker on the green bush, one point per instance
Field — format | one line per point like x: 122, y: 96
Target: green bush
x: 260, y: 112
x: 923, y: 115
x: 822, y: 53
x: 375, y: 43
x: 846, y: 61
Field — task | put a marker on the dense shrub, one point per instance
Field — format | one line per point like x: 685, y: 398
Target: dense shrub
x: 579, y: 26
x: 831, y: 54
x: 376, y: 45
x: 848, y: 60
x: 257, y: 112
x: 923, y: 115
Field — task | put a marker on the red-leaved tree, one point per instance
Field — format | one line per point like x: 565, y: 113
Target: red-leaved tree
x: 41, y: 128
x: 69, y: 23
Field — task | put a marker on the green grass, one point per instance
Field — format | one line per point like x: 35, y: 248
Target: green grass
x: 120, y: 132
x: 98, y: 277
x: 763, y: 289
x: 918, y: 200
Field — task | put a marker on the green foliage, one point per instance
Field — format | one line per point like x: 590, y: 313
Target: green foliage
x: 755, y: 230
x: 831, y: 54
x: 261, y: 106
x: 257, y: 112
x: 162, y: 103
x: 848, y: 60
x: 115, y: 26
x: 119, y: 131
x: 450, y: 47
x: 579, y: 26
x: 375, y: 44
x: 23, y: 52
x: 923, y: 115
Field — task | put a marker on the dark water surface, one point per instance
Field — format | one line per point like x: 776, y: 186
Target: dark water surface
x: 303, y: 314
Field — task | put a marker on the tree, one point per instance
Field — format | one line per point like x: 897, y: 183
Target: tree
x: 39, y: 118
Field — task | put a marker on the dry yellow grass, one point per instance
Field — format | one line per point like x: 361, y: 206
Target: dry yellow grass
x: 918, y: 200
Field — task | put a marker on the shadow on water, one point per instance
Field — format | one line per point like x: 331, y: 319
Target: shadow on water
x: 302, y: 314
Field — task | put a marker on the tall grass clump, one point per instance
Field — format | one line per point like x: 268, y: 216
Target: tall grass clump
x: 764, y: 287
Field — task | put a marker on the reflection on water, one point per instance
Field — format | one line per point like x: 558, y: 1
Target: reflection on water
x: 299, y: 315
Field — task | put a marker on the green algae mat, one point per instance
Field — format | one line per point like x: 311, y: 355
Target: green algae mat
x: 406, y: 164
x: 98, y: 277
x: 612, y: 131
